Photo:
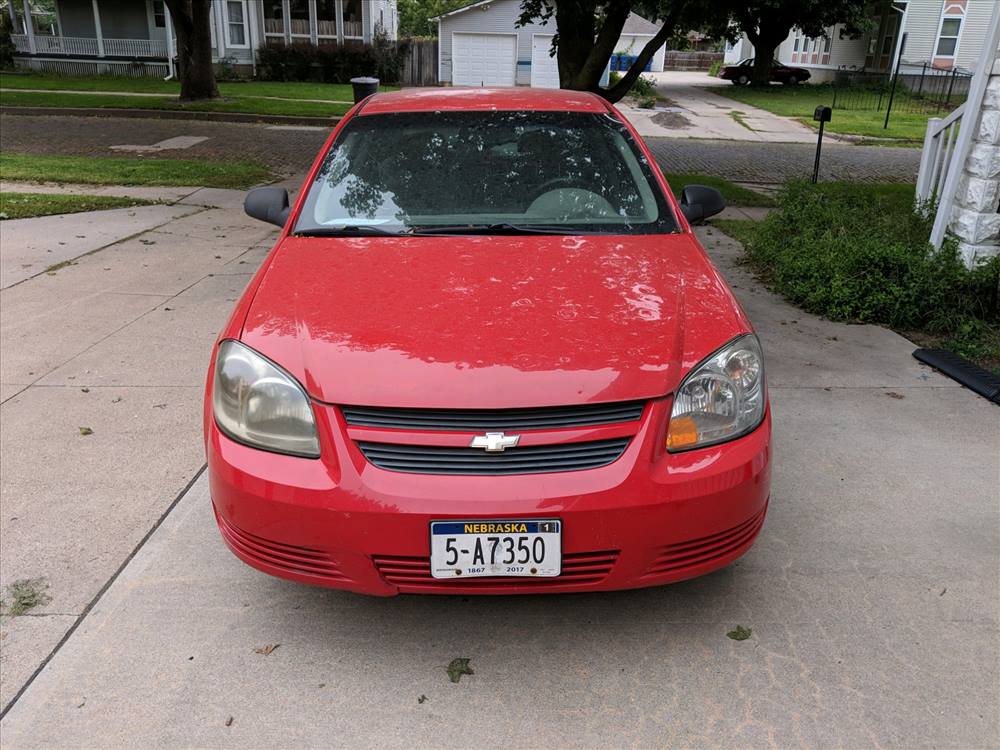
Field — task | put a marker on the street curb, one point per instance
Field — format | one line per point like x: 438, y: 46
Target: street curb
x: 172, y: 114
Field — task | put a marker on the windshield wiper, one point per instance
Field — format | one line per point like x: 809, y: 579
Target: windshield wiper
x: 501, y: 228
x: 349, y: 230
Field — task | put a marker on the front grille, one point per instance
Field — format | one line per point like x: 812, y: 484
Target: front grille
x: 287, y: 557
x: 677, y: 557
x: 480, y: 420
x: 534, y: 459
x: 578, y: 568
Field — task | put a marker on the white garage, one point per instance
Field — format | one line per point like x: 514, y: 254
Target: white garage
x: 481, y: 44
x: 484, y: 59
x: 544, y: 68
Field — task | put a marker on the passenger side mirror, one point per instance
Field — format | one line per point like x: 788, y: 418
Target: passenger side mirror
x: 698, y: 202
x: 268, y: 204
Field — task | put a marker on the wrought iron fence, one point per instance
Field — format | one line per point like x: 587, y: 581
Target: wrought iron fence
x: 920, y: 89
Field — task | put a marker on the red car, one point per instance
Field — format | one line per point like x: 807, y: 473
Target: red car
x: 487, y: 355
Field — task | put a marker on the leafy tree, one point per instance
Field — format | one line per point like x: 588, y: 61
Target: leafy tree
x: 587, y: 32
x: 192, y: 24
x: 768, y: 22
x: 7, y: 48
x: 415, y: 15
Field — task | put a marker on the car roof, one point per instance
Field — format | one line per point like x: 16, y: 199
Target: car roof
x: 458, y: 99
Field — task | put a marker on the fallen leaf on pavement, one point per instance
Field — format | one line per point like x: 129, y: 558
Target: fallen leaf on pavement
x: 266, y: 649
x: 229, y: 721
x: 457, y: 668
x: 740, y: 633
x: 86, y: 431
x: 421, y: 698
x: 893, y: 394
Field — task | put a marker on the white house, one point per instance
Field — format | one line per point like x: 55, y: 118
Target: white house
x: 135, y: 36
x: 944, y: 34
x: 481, y: 45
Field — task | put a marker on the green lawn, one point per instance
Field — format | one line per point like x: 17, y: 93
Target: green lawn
x: 800, y: 102
x: 735, y: 195
x: 27, y: 205
x: 95, y: 170
x: 153, y: 85
x: 246, y: 105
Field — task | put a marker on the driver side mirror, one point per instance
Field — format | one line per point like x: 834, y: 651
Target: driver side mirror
x: 268, y: 204
x: 698, y: 202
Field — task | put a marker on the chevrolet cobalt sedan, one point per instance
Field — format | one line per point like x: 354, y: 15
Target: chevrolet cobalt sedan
x: 487, y: 354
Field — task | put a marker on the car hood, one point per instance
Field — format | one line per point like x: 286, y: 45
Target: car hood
x: 487, y: 321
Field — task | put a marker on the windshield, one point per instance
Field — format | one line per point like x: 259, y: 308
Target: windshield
x: 558, y: 172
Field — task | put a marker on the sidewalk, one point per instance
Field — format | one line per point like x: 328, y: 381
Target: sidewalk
x: 873, y: 592
x: 117, y: 341
x: 696, y: 112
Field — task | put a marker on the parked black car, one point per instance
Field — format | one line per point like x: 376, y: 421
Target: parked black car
x: 742, y: 73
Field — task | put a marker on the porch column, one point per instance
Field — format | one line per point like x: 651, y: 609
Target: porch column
x: 13, y: 18
x: 97, y: 28
x: 169, y: 29
x: 29, y: 26
x: 286, y: 14
x: 313, y: 23
x: 366, y: 21
x: 339, y: 10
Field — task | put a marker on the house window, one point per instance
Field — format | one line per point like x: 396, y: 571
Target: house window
x: 948, y: 37
x: 236, y: 23
x: 159, y: 14
x: 827, y: 43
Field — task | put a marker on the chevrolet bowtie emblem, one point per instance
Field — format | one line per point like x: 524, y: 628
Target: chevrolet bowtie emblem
x: 494, y: 442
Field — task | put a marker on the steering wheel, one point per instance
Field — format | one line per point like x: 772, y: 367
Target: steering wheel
x: 552, y: 184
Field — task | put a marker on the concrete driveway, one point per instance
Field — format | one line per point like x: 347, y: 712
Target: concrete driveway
x: 695, y: 111
x: 873, y: 592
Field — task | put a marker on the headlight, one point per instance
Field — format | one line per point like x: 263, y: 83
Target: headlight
x: 258, y: 403
x: 720, y: 399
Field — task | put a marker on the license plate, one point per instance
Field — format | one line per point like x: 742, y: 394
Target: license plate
x: 503, y: 548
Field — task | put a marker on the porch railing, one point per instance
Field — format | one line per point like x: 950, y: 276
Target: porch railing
x: 937, y: 154
x: 73, y: 45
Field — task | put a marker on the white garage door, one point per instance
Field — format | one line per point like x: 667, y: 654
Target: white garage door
x: 544, y: 69
x: 483, y: 59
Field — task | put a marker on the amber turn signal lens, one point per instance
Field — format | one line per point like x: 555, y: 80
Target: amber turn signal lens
x: 683, y: 432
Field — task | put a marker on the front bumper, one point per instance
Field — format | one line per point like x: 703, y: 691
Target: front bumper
x: 646, y: 519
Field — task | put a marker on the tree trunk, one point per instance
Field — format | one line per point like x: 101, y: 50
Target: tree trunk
x: 192, y: 23
x: 764, y: 47
x: 620, y: 89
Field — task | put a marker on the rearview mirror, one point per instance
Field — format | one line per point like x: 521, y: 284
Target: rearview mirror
x: 698, y: 202
x: 268, y: 204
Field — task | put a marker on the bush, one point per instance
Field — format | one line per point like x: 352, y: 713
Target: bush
x: 643, y: 87
x: 383, y: 59
x: 861, y: 253
x: 715, y: 68
x: 648, y: 102
x: 7, y: 48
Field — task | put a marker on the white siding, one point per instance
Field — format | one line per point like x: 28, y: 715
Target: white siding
x: 633, y: 44
x: 922, y: 20
x: 974, y: 30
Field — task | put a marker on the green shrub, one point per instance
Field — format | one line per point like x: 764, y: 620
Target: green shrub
x: 861, y: 253
x: 643, y: 87
x: 614, y: 78
x: 382, y: 59
x: 714, y: 69
x: 7, y: 48
x: 648, y: 102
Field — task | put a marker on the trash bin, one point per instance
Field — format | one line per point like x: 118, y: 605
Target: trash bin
x: 364, y: 87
